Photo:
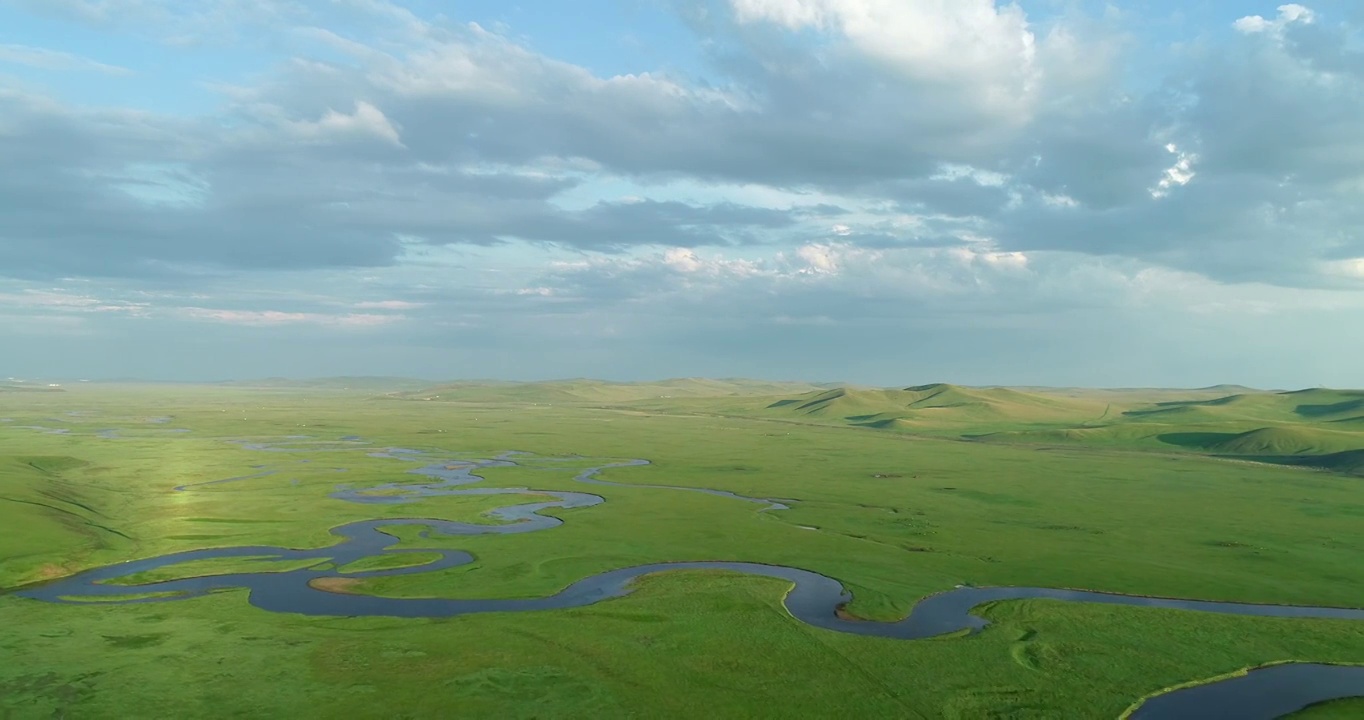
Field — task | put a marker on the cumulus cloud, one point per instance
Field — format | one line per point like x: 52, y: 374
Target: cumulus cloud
x: 367, y: 120
x: 443, y: 103
x: 972, y: 43
x: 1288, y: 14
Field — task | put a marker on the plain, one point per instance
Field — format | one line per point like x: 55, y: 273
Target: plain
x: 898, y: 494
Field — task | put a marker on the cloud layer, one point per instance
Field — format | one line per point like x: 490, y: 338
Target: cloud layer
x: 869, y: 164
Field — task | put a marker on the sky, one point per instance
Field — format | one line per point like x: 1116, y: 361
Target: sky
x: 893, y: 192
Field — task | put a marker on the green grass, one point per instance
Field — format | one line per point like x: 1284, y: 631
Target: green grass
x: 899, y: 515
x: 1350, y: 461
x: 124, y: 597
x: 390, y: 561
x: 1350, y: 709
x: 220, y: 566
x: 62, y: 515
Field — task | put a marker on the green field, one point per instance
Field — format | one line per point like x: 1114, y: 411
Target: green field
x: 1219, y: 494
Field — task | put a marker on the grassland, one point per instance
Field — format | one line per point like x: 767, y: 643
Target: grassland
x: 1335, y: 710
x: 910, y: 491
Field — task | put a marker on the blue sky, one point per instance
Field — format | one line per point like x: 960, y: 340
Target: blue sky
x: 1062, y: 192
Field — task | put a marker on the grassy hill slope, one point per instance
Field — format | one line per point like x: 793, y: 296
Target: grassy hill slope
x: 1286, y: 427
x: 1286, y: 441
x: 45, y: 512
x: 938, y: 403
x: 1312, y: 405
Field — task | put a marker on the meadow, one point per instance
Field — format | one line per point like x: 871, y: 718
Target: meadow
x: 898, y: 494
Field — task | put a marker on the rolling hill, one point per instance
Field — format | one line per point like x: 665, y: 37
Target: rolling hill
x: 1312, y: 405
x: 1316, y: 427
x: 1320, y: 404
x: 936, y: 403
x: 1351, y: 461
x: 1275, y: 440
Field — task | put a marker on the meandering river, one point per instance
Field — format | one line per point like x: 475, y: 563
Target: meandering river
x: 814, y: 599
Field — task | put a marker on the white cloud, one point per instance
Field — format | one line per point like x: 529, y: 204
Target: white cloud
x: 1288, y: 14
x: 925, y: 36
x: 1059, y: 200
x: 1178, y: 174
x: 1252, y: 24
x: 682, y: 260
x: 367, y: 120
x: 938, y: 40
x: 843, y: 283
x: 888, y: 274
x: 686, y: 261
x: 821, y: 258
x: 990, y: 258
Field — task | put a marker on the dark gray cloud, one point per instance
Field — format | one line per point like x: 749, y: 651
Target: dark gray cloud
x: 111, y: 193
x: 960, y: 198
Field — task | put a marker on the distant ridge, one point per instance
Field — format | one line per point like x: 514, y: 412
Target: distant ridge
x: 579, y: 390
x: 359, y: 382
x: 26, y: 388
